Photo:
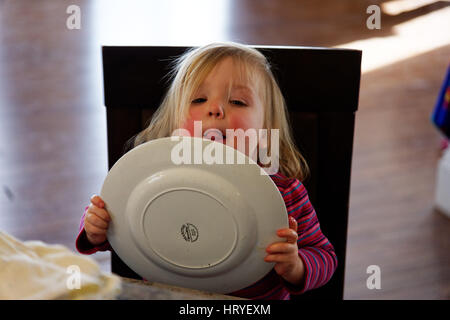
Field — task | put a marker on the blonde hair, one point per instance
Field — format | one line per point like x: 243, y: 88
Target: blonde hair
x: 189, y: 71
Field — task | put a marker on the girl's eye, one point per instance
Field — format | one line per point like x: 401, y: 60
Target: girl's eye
x: 238, y: 103
x: 199, y: 100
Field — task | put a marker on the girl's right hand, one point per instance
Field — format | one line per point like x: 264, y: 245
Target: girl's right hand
x: 96, y: 221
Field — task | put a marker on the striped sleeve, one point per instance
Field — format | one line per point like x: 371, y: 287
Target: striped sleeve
x: 316, y: 252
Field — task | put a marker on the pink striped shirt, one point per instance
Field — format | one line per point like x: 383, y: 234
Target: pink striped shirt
x: 316, y: 252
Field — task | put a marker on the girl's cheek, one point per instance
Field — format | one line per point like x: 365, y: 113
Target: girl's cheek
x: 195, y: 113
x: 188, y: 125
x: 242, y: 122
x: 246, y: 118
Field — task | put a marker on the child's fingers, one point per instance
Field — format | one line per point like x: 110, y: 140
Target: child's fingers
x: 101, y: 213
x: 277, y: 258
x: 97, y: 201
x: 96, y: 221
x: 281, y: 247
x: 94, y: 230
x: 292, y: 223
x: 290, y: 235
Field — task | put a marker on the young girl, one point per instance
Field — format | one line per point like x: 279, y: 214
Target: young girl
x: 231, y: 86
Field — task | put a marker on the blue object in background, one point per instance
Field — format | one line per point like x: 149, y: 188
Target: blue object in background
x: 441, y: 112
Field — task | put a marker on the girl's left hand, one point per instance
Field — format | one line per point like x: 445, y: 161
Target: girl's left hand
x: 285, y: 255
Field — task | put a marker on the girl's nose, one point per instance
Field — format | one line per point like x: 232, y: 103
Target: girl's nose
x: 215, y: 110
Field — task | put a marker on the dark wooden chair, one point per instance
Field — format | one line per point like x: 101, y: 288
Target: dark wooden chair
x: 321, y: 87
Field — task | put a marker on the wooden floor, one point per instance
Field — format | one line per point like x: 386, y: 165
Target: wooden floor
x: 53, y: 152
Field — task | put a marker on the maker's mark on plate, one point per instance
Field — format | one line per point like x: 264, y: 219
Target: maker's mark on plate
x: 189, y: 232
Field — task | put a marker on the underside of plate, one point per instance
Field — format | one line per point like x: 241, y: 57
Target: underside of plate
x: 200, y: 226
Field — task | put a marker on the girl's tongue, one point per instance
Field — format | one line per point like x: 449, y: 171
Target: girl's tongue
x: 214, y: 135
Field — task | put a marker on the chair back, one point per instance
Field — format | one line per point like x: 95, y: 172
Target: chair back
x: 321, y: 88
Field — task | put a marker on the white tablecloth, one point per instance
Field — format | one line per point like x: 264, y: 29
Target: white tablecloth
x: 36, y: 270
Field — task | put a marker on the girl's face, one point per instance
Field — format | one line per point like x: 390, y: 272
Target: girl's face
x: 224, y: 101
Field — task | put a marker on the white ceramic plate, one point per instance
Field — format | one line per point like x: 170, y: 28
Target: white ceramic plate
x: 198, y: 226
